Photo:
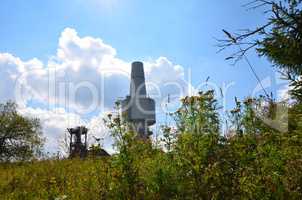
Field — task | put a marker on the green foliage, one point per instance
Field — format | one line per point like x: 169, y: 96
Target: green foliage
x: 279, y: 39
x: 198, y: 146
x: 20, y: 137
x: 283, y: 43
x: 252, y: 161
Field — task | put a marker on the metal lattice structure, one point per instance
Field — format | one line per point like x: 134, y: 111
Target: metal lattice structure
x: 78, y: 148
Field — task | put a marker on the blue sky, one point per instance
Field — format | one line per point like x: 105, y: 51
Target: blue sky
x: 182, y: 31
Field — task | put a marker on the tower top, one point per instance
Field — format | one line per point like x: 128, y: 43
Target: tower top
x: 137, y: 70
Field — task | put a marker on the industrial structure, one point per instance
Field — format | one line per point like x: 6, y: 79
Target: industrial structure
x: 138, y: 109
x: 77, y: 148
x: 78, y: 144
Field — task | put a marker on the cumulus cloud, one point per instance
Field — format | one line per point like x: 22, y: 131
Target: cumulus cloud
x: 80, y: 83
x: 9, y: 70
x: 87, y: 50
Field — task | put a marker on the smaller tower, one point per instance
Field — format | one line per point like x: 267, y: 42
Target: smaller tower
x: 77, y: 147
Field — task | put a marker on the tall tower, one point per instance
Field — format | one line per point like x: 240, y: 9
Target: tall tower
x: 137, y: 108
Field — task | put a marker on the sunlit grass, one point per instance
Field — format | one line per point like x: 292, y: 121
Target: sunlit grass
x: 61, y: 179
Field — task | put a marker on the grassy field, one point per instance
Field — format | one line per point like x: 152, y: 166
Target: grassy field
x: 54, y: 179
x: 257, y: 162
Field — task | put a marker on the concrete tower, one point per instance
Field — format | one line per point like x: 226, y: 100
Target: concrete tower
x: 137, y: 108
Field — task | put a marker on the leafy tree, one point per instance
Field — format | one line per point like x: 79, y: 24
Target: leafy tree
x: 20, y: 137
x: 279, y: 39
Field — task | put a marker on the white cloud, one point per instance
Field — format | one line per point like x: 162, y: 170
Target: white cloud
x: 84, y: 75
x: 10, y: 69
x: 86, y: 50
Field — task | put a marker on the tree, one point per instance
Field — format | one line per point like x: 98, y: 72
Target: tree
x: 199, y: 147
x: 279, y: 39
x: 20, y: 137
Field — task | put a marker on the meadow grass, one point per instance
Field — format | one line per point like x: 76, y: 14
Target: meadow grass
x: 53, y: 179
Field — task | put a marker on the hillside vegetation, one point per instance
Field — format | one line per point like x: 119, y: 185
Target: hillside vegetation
x: 254, y: 161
